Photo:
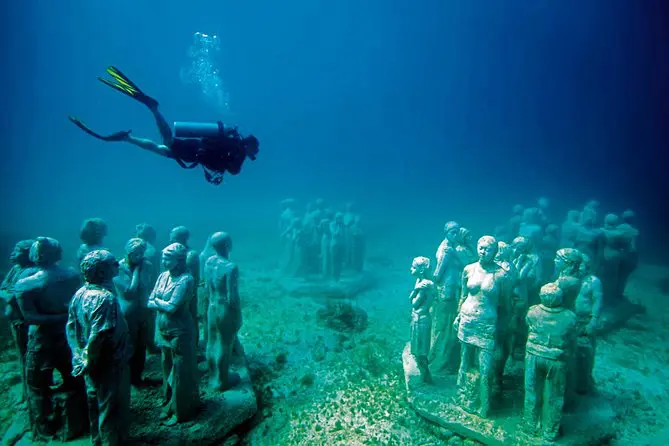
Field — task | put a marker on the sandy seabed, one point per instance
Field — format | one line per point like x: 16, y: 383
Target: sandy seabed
x: 317, y: 386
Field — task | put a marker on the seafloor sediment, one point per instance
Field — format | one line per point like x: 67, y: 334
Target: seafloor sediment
x: 318, y: 386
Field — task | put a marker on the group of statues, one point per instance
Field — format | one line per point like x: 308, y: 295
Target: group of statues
x: 481, y: 306
x: 96, y: 325
x: 320, y: 243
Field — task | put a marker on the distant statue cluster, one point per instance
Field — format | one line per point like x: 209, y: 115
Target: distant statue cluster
x: 533, y: 292
x: 320, y: 242
x: 94, y: 326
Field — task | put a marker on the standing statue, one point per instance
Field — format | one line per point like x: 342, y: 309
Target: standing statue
x: 484, y: 303
x: 326, y: 260
x: 526, y: 264
x: 175, y: 335
x: 590, y: 238
x: 550, y: 243
x: 97, y: 334
x: 202, y: 292
x: 43, y: 296
x: 569, y: 229
x: 588, y: 308
x: 291, y: 258
x: 567, y: 269
x: 181, y: 235
x: 21, y: 264
x: 357, y: 245
x: 550, y: 345
x: 421, y: 321
x: 513, y: 226
x: 225, y: 314
x: 614, y: 246
x: 92, y: 234
x: 147, y: 233
x: 133, y: 286
x: 631, y: 255
x: 445, y: 349
x: 288, y: 215
x: 530, y: 227
x: 337, y: 245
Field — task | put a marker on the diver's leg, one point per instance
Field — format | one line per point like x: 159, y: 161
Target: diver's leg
x: 163, y: 126
x: 149, y: 145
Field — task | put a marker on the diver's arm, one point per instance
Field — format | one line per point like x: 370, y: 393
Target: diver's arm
x: 151, y: 146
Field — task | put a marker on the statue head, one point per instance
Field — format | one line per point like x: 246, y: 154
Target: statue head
x: 518, y: 209
x: 135, y: 249
x: 339, y: 217
x: 588, y: 217
x: 486, y: 249
x: 568, y: 261
x: 552, y: 229
x: 221, y: 242
x: 451, y: 229
x: 586, y: 265
x: 99, y: 267
x: 420, y: 267
x: 324, y: 225
x: 551, y: 295
x: 628, y: 216
x: 522, y: 245
x: 464, y: 236
x: 21, y: 253
x: 320, y: 204
x: 174, y: 257
x: 611, y: 221
x: 146, y: 232
x: 93, y: 231
x: 591, y: 204
x: 543, y: 203
x: 504, y: 252
x: 530, y: 215
x: 45, y: 251
x: 574, y: 216
x: 180, y: 234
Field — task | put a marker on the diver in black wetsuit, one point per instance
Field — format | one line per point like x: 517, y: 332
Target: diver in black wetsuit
x: 214, y: 147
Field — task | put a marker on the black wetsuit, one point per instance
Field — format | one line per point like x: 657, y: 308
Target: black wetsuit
x: 212, y: 154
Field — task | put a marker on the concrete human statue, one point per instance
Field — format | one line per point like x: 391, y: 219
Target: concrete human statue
x: 508, y: 324
x: 445, y: 351
x: 287, y: 216
x: 588, y: 309
x: 630, y: 259
x: 550, y: 243
x: 526, y: 264
x: 484, y: 301
x: 464, y: 246
x: 202, y: 292
x: 590, y: 238
x: 421, y: 298
x: 225, y: 314
x: 530, y: 226
x: 291, y: 255
x: 514, y: 222
x: 548, y: 353
x: 337, y: 246
x: 569, y: 229
x: 43, y: 295
x: 92, y: 234
x: 132, y: 286
x: 568, y: 273
x: 181, y: 234
x: 325, y: 258
x: 175, y: 335
x: 21, y: 264
x: 98, y: 336
x: 147, y: 233
x: 543, y: 204
x: 590, y: 211
x: 614, y: 247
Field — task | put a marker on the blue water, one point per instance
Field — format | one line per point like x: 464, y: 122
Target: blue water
x: 420, y: 112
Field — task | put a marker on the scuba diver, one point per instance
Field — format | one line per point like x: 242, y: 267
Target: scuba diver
x: 211, y: 145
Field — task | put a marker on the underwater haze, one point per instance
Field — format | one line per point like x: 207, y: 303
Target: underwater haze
x: 418, y: 112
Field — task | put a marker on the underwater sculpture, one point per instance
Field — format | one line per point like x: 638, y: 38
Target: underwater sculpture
x: 325, y: 259
x: 181, y: 235
x: 527, y: 268
x: 445, y: 351
x: 550, y: 243
x: 175, y: 334
x: 92, y: 234
x: 531, y: 226
x: 567, y: 269
x: 550, y: 345
x: 147, y: 233
x: 43, y: 296
x: 101, y: 346
x: 225, y: 316
x: 513, y: 226
x: 590, y: 238
x: 20, y: 261
x: 569, y: 229
x: 337, y: 251
x: 588, y: 308
x: 483, y: 312
x: 421, y: 298
x: 614, y: 246
x: 630, y: 259
x: 357, y: 245
x: 133, y: 286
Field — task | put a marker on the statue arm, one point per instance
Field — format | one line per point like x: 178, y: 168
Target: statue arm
x: 26, y: 303
x: 463, y: 288
x: 182, y: 292
x: 597, y: 300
